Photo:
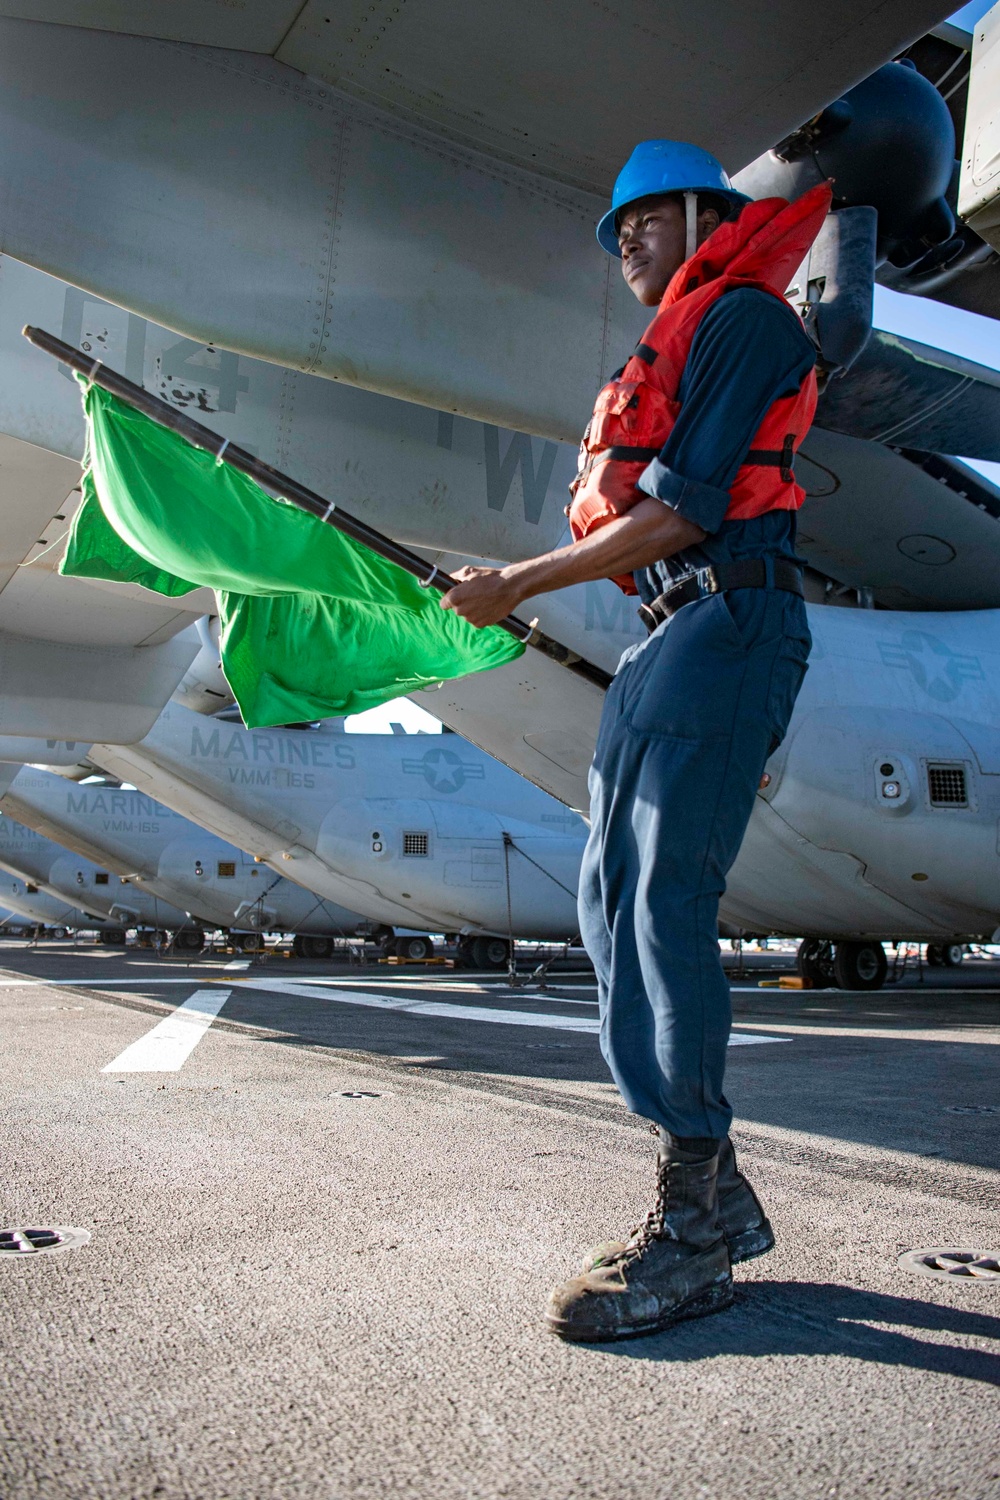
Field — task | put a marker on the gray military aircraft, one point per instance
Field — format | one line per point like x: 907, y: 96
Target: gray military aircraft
x: 334, y: 121
x: 914, y: 504
x: 161, y: 858
x: 13, y: 925
x: 488, y: 182
x: 877, y: 820
x: 51, y: 916
x: 890, y: 523
x: 450, y: 857
x: 406, y: 829
x: 122, y: 902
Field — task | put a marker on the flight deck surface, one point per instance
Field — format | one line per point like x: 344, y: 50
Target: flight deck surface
x: 326, y: 1204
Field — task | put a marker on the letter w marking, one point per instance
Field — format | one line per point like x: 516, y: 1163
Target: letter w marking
x: 500, y: 472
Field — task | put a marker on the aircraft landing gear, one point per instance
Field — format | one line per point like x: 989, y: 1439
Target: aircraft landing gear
x: 189, y: 940
x: 945, y: 955
x: 414, y: 948
x: 843, y: 966
x: 484, y: 953
x: 814, y: 961
x: 306, y: 945
x: 860, y: 966
x: 113, y: 937
x: 248, y: 942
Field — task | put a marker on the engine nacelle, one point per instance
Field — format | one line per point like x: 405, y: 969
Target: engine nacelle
x: 912, y: 798
x: 889, y: 143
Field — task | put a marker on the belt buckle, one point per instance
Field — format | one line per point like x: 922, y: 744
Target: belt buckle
x: 709, y: 580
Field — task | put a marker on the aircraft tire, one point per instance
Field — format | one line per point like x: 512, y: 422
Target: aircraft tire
x: 952, y: 954
x: 248, y: 942
x: 113, y: 937
x: 860, y: 966
x: 490, y: 953
x: 933, y: 957
x: 189, y: 940
x: 814, y: 961
x: 414, y: 948
x: 308, y: 945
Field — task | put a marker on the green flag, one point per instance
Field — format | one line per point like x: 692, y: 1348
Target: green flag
x: 314, y: 624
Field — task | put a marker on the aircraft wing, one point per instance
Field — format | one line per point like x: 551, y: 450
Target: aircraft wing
x: 74, y: 658
x: 429, y: 477
x: 532, y: 715
x: 905, y: 393
x: 918, y: 530
x: 551, y: 87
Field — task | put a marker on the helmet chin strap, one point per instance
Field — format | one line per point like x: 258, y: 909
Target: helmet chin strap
x: 690, y: 224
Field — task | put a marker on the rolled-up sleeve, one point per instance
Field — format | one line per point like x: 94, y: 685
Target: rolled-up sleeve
x: 703, y: 504
x: 749, y: 350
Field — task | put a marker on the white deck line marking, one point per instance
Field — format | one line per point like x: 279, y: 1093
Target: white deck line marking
x: 94, y: 982
x: 238, y: 963
x: 390, y: 984
x: 171, y: 1042
x: 582, y: 989
x: 320, y: 990
x: 443, y: 1011
x: 439, y: 1008
x: 546, y: 995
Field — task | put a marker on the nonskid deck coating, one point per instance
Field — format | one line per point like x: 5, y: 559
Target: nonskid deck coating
x: 320, y: 1249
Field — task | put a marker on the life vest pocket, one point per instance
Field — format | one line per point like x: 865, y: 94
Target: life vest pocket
x: 631, y: 422
x: 632, y: 414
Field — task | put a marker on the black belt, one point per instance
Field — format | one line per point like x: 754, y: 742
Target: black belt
x: 749, y: 574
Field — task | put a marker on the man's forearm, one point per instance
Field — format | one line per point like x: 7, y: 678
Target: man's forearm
x: 649, y: 532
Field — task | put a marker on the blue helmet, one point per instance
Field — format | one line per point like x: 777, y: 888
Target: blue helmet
x: 664, y: 167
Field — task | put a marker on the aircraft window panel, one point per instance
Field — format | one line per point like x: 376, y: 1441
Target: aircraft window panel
x: 947, y: 786
x: 227, y: 869
x: 101, y: 878
x: 416, y: 845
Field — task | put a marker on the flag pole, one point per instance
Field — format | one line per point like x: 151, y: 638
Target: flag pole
x: 286, y: 488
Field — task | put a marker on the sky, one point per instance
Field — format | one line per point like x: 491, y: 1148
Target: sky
x: 400, y: 711
x: 969, y: 14
x: 917, y: 318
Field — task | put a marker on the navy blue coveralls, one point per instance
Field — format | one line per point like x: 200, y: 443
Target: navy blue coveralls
x: 688, y: 723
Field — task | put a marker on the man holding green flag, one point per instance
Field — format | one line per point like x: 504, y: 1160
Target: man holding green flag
x: 686, y: 496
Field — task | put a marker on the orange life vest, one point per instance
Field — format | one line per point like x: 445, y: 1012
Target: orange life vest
x: 635, y: 413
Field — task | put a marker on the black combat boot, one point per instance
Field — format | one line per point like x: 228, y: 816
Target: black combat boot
x: 741, y: 1216
x: 675, y: 1265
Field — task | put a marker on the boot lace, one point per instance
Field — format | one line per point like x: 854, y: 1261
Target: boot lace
x: 654, y: 1226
